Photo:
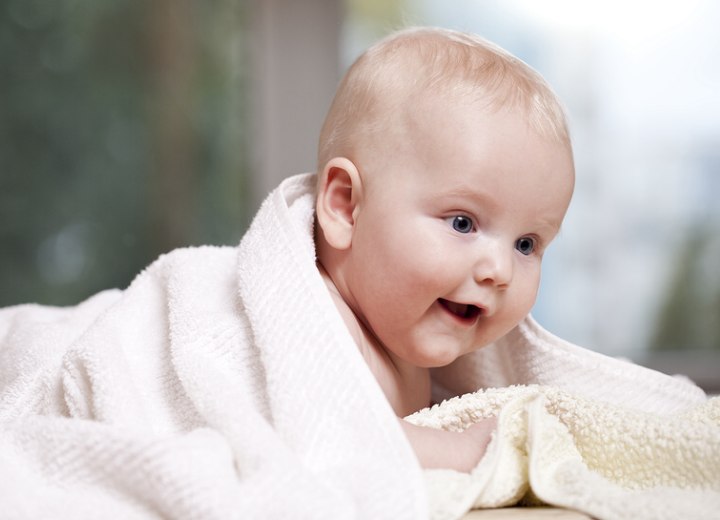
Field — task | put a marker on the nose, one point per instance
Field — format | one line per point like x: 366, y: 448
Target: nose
x: 493, y: 263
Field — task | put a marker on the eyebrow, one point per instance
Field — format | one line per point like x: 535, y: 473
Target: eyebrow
x: 465, y: 192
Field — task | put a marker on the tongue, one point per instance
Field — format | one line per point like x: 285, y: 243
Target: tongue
x: 458, y: 308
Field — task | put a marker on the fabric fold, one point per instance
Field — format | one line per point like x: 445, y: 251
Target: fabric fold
x: 531, y: 354
x: 607, y: 460
x: 220, y: 384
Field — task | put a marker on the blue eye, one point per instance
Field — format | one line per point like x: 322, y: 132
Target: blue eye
x: 525, y: 245
x: 461, y: 224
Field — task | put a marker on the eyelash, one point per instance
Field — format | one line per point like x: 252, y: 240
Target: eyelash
x: 453, y: 220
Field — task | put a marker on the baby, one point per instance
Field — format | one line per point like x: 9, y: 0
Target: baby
x: 445, y: 171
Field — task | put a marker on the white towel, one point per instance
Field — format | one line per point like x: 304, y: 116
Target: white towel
x: 223, y: 384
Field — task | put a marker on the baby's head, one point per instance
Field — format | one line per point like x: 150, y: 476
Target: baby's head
x: 445, y: 169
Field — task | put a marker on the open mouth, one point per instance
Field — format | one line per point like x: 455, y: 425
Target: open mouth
x: 465, y: 312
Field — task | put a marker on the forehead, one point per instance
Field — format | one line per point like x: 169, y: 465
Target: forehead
x: 452, y: 127
x: 454, y: 148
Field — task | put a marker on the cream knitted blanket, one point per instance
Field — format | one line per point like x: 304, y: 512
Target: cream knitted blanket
x: 606, y: 460
x: 222, y: 383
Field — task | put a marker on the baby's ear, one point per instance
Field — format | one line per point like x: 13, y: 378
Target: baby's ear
x: 339, y: 191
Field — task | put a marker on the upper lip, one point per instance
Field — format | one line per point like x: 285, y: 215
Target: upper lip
x: 464, y: 311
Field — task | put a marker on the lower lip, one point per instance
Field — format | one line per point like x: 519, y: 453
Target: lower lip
x: 467, y: 322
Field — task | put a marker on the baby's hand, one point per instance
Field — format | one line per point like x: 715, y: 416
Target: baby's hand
x: 478, y: 436
x: 436, y: 449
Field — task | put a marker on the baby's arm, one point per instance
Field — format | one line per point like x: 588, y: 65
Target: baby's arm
x: 460, y: 451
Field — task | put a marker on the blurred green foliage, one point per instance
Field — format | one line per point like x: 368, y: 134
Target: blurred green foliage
x: 122, y: 136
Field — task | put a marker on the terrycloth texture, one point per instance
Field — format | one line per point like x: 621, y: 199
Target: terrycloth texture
x: 220, y: 384
x: 608, y: 461
x: 530, y: 354
x: 223, y: 384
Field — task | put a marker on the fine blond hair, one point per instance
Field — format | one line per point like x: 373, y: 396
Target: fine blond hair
x: 434, y: 61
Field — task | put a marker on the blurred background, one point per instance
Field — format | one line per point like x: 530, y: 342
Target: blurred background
x: 132, y: 127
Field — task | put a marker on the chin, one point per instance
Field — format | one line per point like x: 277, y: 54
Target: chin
x: 436, y: 359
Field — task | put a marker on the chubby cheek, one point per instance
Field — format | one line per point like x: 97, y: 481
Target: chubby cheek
x: 400, y: 275
x: 417, y: 267
x: 405, y: 276
x: 523, y: 295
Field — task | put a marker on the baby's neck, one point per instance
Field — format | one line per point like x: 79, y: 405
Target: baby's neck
x: 407, y: 387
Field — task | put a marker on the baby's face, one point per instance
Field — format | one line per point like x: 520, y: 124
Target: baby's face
x: 450, y: 232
